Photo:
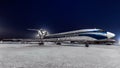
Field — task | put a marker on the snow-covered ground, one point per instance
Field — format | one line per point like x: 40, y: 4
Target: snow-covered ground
x: 55, y: 56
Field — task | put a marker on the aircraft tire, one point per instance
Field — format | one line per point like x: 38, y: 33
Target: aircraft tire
x: 58, y: 43
x: 72, y: 41
x: 41, y: 43
x: 86, y: 45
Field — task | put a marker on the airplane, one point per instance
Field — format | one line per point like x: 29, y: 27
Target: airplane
x: 85, y: 36
x: 80, y: 36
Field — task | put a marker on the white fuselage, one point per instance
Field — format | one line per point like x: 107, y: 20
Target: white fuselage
x: 83, y: 34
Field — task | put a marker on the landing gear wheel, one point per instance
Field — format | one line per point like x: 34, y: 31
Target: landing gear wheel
x: 58, y: 43
x: 41, y: 43
x: 86, y: 44
x: 72, y: 41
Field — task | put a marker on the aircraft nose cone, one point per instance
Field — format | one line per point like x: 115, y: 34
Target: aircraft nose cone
x: 110, y: 35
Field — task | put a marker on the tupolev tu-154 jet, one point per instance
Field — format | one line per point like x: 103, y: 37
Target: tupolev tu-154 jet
x: 85, y: 36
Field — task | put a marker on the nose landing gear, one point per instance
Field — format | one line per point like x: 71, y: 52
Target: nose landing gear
x: 86, y: 44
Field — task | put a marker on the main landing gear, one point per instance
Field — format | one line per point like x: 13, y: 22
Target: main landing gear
x: 58, y: 43
x: 41, y: 43
x: 72, y: 41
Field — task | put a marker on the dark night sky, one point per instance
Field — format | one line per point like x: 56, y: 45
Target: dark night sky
x: 57, y: 16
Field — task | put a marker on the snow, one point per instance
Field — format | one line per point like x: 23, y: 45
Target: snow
x: 56, y: 56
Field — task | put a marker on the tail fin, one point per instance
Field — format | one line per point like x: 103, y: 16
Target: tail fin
x: 41, y: 32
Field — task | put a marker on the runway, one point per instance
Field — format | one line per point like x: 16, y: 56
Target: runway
x: 56, y: 56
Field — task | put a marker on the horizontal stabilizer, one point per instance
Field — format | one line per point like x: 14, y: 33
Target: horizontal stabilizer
x: 34, y: 29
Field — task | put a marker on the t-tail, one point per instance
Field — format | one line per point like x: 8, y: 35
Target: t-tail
x: 41, y: 32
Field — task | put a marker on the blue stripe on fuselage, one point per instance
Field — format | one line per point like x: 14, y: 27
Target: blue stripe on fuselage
x: 94, y: 36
